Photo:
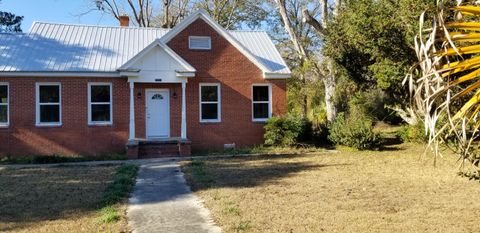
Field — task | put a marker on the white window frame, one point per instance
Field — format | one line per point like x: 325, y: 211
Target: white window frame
x: 38, y: 104
x: 269, y: 102
x: 218, y: 102
x: 6, y: 124
x: 99, y: 123
x: 200, y: 37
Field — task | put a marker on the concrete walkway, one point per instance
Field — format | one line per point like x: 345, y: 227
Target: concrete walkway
x: 162, y: 202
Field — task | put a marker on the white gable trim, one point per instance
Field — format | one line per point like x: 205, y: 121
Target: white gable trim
x: 202, y: 14
x: 128, y: 65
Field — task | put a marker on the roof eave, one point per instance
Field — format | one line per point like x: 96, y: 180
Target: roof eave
x: 59, y: 74
x: 270, y: 75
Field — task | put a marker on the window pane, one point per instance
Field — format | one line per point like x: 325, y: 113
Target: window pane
x: 3, y: 94
x: 49, y: 113
x: 49, y: 94
x: 260, y: 93
x: 100, y: 112
x: 209, y: 111
x: 209, y: 93
x: 260, y: 111
x: 3, y: 114
x: 100, y: 94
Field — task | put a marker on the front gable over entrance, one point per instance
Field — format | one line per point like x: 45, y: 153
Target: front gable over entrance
x: 157, y: 63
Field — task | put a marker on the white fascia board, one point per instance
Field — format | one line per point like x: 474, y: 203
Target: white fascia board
x: 60, y: 74
x: 129, y: 73
x: 185, y: 74
x: 177, y: 58
x: 202, y: 14
x: 276, y: 75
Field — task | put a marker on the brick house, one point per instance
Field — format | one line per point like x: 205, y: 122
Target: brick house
x: 91, y: 90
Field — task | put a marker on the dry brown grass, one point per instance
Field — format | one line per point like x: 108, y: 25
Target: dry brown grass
x: 384, y: 191
x: 63, y: 199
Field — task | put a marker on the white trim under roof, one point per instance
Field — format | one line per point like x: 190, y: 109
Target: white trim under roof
x: 276, y: 75
x: 202, y: 14
x: 60, y: 74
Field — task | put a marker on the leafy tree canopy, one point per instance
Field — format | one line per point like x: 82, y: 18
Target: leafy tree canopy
x: 10, y: 22
x: 373, y: 41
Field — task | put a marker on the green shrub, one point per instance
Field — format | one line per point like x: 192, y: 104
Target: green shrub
x: 355, y: 131
x: 372, y: 103
x: 413, y: 133
x: 286, y: 131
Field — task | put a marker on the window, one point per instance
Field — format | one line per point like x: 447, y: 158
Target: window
x: 261, y: 104
x: 4, y: 102
x: 200, y: 42
x: 210, y: 109
x: 49, y: 110
x: 99, y: 103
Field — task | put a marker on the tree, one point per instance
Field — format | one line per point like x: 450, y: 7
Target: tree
x: 320, y: 27
x: 373, y: 40
x: 10, y: 22
x: 142, y: 10
x: 231, y: 14
x: 445, y: 84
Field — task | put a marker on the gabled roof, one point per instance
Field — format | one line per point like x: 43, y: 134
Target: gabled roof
x: 187, y: 67
x: 202, y: 14
x: 57, y: 49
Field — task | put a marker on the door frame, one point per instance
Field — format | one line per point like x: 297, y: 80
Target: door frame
x: 147, y: 90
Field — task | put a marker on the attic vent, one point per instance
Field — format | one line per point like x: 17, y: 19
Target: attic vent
x: 200, y: 42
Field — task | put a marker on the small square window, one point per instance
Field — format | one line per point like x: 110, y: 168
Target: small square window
x: 200, y: 42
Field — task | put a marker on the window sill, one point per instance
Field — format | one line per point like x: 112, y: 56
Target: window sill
x: 106, y: 124
x: 45, y: 125
x: 4, y: 126
x: 261, y: 121
x: 211, y: 122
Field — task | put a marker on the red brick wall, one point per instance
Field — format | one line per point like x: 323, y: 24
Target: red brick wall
x: 226, y: 65
x: 75, y: 136
x: 223, y: 64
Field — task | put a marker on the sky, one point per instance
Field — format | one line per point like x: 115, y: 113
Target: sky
x: 57, y: 11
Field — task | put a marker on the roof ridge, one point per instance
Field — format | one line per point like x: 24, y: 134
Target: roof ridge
x: 98, y: 26
x: 116, y: 26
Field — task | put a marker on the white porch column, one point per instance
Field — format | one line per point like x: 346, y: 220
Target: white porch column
x: 184, y: 111
x: 131, y: 132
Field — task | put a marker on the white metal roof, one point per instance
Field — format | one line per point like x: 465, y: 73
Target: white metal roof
x: 54, y: 47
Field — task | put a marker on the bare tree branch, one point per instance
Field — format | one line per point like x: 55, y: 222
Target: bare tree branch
x: 288, y: 27
x: 319, y: 28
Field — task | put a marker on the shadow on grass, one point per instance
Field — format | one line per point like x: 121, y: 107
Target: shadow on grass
x: 240, y: 172
x: 29, y: 196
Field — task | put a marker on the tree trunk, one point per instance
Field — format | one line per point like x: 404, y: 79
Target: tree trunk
x: 304, y: 96
x: 329, y: 81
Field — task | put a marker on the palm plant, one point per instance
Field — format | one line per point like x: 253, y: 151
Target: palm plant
x: 445, y: 84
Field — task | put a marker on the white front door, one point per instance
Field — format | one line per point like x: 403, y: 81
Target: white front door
x: 158, y: 113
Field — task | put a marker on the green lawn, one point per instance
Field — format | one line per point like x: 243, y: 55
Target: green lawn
x: 65, y: 199
x: 393, y: 190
